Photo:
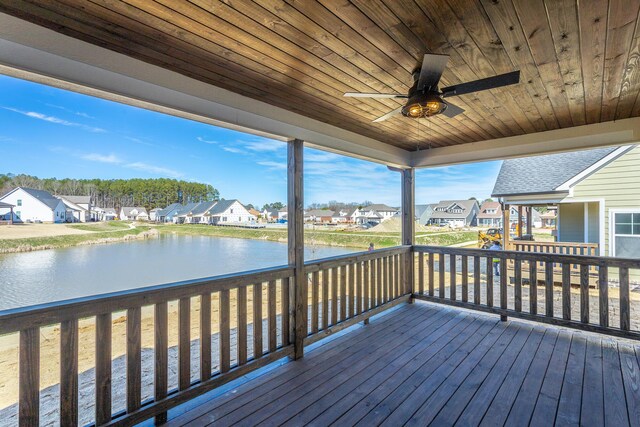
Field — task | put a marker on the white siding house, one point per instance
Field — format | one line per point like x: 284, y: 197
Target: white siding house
x: 35, y: 205
x: 230, y: 212
x: 134, y: 214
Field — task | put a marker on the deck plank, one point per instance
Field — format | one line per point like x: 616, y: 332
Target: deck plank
x: 425, y: 364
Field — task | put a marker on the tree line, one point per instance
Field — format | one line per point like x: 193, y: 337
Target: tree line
x: 115, y: 193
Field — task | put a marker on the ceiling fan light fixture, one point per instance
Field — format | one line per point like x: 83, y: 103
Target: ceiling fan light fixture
x: 424, y: 105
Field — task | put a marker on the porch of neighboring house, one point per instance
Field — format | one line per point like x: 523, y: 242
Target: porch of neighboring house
x: 492, y: 337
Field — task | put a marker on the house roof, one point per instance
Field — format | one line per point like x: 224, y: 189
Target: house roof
x: 6, y: 205
x: 466, y: 205
x: 203, y: 208
x: 222, y: 206
x: 77, y: 199
x: 320, y: 212
x: 420, y: 209
x: 169, y: 209
x: 381, y: 207
x: 110, y: 211
x: 127, y: 210
x: 43, y: 196
x: 186, y: 209
x: 490, y: 205
x: 544, y: 174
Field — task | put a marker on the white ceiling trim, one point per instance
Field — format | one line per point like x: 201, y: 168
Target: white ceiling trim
x: 36, y: 53
x: 626, y: 131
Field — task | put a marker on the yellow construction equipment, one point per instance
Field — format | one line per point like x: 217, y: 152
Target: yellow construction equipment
x: 486, y: 238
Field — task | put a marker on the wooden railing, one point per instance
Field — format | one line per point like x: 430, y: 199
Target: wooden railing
x: 245, y: 292
x: 348, y: 289
x: 465, y: 278
x: 561, y: 248
x: 216, y: 314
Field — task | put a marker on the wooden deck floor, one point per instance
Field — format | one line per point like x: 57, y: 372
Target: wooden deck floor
x: 426, y: 364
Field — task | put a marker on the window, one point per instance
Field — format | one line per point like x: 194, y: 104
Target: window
x: 19, y: 202
x: 231, y: 210
x: 626, y: 234
x: 18, y: 213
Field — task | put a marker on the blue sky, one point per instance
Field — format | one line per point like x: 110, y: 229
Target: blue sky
x: 50, y: 132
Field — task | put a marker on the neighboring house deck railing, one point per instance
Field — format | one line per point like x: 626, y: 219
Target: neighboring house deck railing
x: 215, y: 320
x: 465, y: 278
x: 562, y: 248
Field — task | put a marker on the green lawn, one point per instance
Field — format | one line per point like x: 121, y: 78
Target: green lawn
x: 102, y: 226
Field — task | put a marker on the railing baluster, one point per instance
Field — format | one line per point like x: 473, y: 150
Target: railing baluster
x: 351, y: 290
x: 315, y: 300
x: 383, y: 280
x: 184, y: 343
x: 287, y: 284
x: 548, y: 288
x: 368, y: 290
x: 103, y: 368
x: 134, y: 359
x: 489, y: 281
x: 603, y: 288
x: 421, y: 273
x: 431, y: 274
x: 503, y: 284
x: 393, y: 272
x: 625, y: 320
x: 325, y: 299
x: 465, y: 278
x: 334, y: 295
x: 29, y: 381
x: 241, y: 307
x: 533, y: 287
x: 452, y: 277
x: 476, y: 280
x: 161, y: 332
x: 205, y: 334
x: 343, y: 293
x: 359, y: 288
x: 441, y: 272
x: 273, y: 328
x: 390, y: 278
x: 69, y: 372
x: 517, y: 277
x: 584, y: 293
x: 257, y: 320
x: 566, y: 291
x: 379, y: 297
x: 225, y: 338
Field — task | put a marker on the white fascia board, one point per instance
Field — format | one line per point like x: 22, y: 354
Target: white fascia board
x: 593, y: 168
x: 620, y: 132
x: 35, y: 53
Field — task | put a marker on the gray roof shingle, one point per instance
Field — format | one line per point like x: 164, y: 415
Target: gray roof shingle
x: 44, y: 196
x: 543, y: 174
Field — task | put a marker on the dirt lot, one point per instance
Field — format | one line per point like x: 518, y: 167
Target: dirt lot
x: 25, y: 231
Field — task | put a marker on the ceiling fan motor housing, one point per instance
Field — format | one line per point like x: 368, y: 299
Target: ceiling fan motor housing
x: 423, y: 104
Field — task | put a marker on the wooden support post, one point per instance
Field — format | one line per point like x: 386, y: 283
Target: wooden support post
x: 506, y: 226
x: 296, y: 243
x: 520, y: 221
x: 408, y: 228
x: 529, y: 219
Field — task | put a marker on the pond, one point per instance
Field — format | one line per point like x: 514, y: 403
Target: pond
x: 58, y: 274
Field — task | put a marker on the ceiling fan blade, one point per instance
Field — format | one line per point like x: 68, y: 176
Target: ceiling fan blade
x: 482, y: 84
x: 388, y: 115
x: 431, y: 70
x: 374, y: 95
x: 452, y: 110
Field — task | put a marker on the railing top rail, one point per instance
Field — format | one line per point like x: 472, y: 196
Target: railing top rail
x: 340, y: 260
x: 571, y: 244
x: 535, y: 256
x: 16, y: 319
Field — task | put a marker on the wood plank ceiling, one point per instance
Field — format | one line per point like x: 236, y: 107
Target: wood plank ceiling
x: 579, y: 59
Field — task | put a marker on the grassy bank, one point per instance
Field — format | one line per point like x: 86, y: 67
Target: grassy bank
x: 320, y: 237
x: 54, y: 242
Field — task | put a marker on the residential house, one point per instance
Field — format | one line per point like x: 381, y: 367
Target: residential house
x: 230, y: 212
x: 597, y: 193
x: 200, y: 214
x: 79, y: 208
x: 109, y: 214
x: 255, y: 212
x: 536, y: 220
x: 167, y: 214
x: 548, y: 218
x: 35, y: 205
x: 319, y: 215
x: 457, y: 213
x: 137, y: 213
x: 490, y: 215
x: 283, y: 213
x: 6, y: 212
x: 270, y: 214
x: 379, y: 212
x: 184, y: 214
x: 423, y: 213
x: 153, y: 214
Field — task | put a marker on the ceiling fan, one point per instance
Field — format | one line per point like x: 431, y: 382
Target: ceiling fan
x: 425, y: 99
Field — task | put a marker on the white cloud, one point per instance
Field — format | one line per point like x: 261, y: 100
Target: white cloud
x: 201, y: 139
x: 273, y: 165
x: 77, y: 113
x: 157, y: 170
x: 55, y: 120
x: 234, y: 150
x: 263, y: 145
x: 138, y: 141
x: 96, y: 157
